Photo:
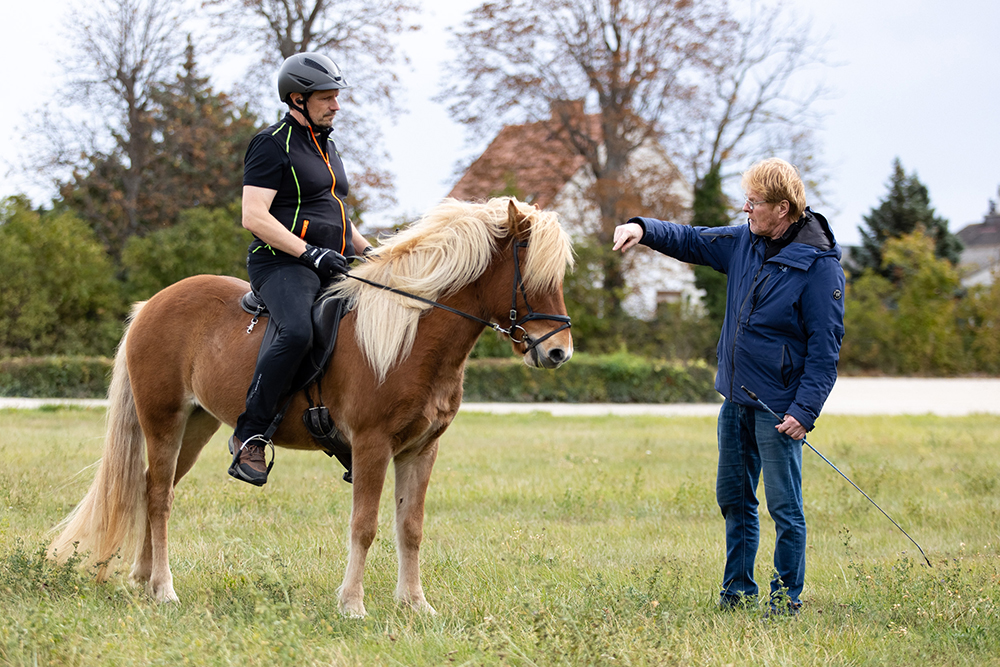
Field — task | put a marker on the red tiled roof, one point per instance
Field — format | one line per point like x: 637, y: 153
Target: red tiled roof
x: 530, y: 158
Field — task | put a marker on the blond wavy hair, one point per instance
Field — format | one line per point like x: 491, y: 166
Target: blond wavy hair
x: 447, y: 249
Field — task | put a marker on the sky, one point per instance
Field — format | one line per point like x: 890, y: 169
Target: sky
x: 914, y: 79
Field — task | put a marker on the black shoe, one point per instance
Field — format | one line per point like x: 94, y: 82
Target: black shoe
x: 779, y: 609
x: 734, y: 602
x: 249, y: 463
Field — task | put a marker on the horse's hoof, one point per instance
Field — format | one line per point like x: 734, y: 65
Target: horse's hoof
x: 424, y: 608
x: 162, y: 594
x: 418, y: 604
x: 353, y: 610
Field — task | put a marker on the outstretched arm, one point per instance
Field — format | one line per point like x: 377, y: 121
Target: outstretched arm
x: 712, y: 246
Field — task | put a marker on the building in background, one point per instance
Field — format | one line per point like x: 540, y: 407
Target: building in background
x: 981, y: 256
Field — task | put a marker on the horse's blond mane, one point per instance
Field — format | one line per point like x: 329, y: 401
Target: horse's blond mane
x: 448, y: 248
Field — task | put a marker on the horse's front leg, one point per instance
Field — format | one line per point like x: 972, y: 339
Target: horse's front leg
x: 413, y: 473
x: 369, y: 466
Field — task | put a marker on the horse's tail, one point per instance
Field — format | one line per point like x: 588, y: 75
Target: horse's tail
x: 113, y: 513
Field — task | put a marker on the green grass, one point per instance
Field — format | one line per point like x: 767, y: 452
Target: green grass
x: 548, y: 541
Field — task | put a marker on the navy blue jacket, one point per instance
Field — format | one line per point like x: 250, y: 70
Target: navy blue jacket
x: 784, y: 316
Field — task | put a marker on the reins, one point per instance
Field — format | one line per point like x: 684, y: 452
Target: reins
x: 515, y: 323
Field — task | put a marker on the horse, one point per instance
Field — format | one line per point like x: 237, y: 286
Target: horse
x: 393, y: 382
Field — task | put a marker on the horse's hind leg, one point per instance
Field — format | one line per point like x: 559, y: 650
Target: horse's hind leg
x: 369, y: 477
x: 198, y: 431
x: 413, y: 472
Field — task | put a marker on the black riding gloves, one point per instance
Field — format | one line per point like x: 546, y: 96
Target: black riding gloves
x: 325, y: 262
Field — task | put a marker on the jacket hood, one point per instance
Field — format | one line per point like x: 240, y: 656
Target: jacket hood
x: 814, y: 240
x: 815, y: 232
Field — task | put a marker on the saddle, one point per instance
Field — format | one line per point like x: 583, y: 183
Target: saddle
x: 326, y: 315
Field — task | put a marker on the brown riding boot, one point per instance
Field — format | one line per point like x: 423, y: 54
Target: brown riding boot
x: 249, y: 463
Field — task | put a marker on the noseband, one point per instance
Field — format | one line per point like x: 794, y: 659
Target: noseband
x: 531, y: 314
x: 515, y: 323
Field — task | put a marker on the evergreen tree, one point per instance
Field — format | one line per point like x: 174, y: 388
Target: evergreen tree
x: 195, y: 159
x: 711, y: 209
x: 202, y: 137
x: 903, y: 211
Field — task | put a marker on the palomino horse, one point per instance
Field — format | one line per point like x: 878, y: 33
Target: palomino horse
x: 394, y: 382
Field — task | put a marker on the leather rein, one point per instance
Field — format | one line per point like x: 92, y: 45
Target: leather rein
x: 515, y: 323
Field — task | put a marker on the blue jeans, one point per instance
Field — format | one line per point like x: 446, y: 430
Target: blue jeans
x: 748, y: 445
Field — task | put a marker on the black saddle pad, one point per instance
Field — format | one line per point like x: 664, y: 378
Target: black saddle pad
x: 326, y: 315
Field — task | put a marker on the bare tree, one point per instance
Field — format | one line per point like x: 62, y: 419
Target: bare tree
x: 756, y: 98
x: 633, y: 61
x: 713, y: 89
x: 359, y: 35
x: 121, y: 51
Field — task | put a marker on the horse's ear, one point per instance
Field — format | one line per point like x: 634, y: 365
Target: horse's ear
x: 518, y: 221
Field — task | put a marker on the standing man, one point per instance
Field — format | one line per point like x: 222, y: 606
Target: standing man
x: 294, y: 187
x: 781, y: 339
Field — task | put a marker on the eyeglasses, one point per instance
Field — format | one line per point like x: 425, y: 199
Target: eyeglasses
x: 753, y: 203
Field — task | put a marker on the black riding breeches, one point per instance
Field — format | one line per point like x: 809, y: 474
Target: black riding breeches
x: 288, y: 290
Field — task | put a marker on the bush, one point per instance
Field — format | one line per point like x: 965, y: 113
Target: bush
x: 615, y: 378
x: 59, y: 294
x: 204, y: 241
x: 981, y: 315
x: 681, y: 331
x: 55, y: 377
x: 908, y: 325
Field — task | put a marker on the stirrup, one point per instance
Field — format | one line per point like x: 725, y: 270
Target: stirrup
x: 236, y: 455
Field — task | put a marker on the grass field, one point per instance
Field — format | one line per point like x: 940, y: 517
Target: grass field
x: 548, y: 541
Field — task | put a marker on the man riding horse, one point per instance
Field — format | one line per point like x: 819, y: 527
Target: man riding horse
x: 294, y: 186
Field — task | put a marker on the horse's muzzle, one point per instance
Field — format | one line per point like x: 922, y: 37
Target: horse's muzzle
x: 550, y: 358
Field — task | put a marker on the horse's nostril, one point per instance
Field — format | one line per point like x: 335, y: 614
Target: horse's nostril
x: 557, y: 355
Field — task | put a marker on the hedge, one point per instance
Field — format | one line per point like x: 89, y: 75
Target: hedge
x: 55, y: 377
x: 616, y: 378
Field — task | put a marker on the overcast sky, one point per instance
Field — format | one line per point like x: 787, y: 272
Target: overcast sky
x: 919, y: 79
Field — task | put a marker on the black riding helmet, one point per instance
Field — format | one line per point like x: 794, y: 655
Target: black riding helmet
x: 306, y: 73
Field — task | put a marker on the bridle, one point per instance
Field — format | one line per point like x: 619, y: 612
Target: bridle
x: 515, y: 322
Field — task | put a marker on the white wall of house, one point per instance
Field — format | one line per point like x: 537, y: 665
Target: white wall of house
x: 979, y: 264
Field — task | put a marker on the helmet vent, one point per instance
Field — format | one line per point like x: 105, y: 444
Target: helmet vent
x: 304, y: 81
x: 315, y: 65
